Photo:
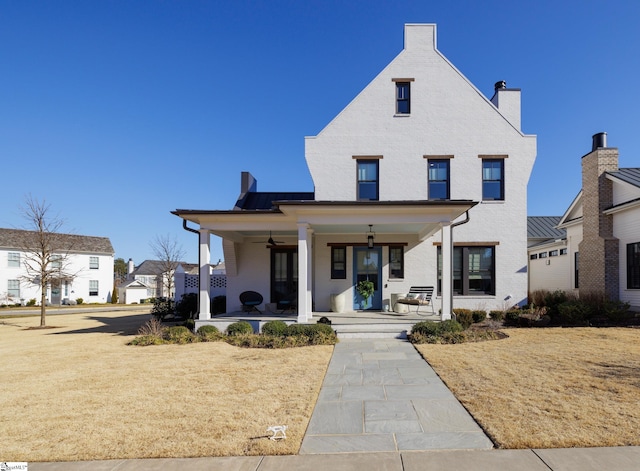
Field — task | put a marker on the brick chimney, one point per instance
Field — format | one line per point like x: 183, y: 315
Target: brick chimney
x: 599, y: 252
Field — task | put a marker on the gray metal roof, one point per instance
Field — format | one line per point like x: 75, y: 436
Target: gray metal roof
x: 544, y: 227
x: 629, y: 175
x: 19, y: 239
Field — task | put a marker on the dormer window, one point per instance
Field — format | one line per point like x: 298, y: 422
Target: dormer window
x: 403, y: 96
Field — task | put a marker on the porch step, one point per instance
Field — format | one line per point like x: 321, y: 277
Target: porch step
x: 350, y: 331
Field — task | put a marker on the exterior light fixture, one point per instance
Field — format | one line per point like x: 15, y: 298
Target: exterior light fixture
x: 370, y: 236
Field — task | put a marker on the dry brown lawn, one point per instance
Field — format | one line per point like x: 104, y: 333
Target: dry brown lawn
x: 78, y: 392
x: 547, y: 388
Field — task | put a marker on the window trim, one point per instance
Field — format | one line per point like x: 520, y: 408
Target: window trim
x: 464, y: 269
x: 94, y: 287
x: 338, y: 274
x: 633, y: 265
x: 486, y: 159
x: 447, y: 181
x: 9, y: 288
x: 402, y: 84
x: 93, y: 259
x: 14, y: 260
x: 400, y: 272
x: 368, y: 160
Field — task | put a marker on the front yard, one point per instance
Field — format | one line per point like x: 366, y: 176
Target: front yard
x: 548, y: 388
x: 78, y: 392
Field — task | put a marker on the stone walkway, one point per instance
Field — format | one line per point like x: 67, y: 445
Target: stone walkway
x: 380, y: 395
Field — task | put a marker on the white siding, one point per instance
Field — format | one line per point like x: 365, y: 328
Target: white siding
x: 626, y: 227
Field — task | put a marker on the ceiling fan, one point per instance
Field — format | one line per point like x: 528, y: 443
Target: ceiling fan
x: 270, y: 241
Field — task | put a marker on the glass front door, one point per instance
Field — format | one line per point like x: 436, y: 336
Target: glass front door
x: 367, y: 265
x: 284, y: 273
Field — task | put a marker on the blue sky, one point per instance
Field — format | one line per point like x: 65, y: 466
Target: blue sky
x: 117, y: 112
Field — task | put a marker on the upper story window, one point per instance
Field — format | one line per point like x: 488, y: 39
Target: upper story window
x: 403, y: 95
x: 367, y: 180
x: 94, y: 263
x: 13, y: 259
x: 438, y: 179
x: 492, y: 179
x: 56, y: 262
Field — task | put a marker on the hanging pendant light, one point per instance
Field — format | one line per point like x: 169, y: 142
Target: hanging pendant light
x: 370, y: 237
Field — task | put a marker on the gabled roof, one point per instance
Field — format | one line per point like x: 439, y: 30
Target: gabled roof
x: 19, y: 239
x: 134, y: 284
x: 152, y: 268
x: 628, y: 175
x: 254, y: 200
x: 544, y: 227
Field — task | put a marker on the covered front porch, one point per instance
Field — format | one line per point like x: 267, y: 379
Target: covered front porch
x: 351, y: 324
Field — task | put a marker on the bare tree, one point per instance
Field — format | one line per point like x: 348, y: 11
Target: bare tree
x: 169, y: 253
x: 46, y: 250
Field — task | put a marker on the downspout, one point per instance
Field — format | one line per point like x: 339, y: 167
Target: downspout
x: 186, y: 228
x: 455, y: 224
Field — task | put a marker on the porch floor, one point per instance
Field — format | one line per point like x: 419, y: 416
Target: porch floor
x: 350, y: 324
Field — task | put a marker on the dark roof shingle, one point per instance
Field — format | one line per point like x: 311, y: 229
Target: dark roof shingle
x: 19, y: 239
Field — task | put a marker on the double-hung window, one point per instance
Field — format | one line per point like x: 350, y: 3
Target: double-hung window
x: 438, y: 179
x: 13, y: 259
x: 338, y: 263
x: 94, y: 263
x: 473, y: 270
x: 13, y: 288
x: 396, y: 261
x: 93, y: 287
x: 368, y: 180
x: 633, y: 266
x: 493, y: 179
x: 403, y: 97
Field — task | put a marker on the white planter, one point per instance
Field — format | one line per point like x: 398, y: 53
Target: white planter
x: 337, y: 302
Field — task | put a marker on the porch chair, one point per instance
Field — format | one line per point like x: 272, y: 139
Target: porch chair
x: 288, y: 303
x: 250, y: 300
x: 418, y: 296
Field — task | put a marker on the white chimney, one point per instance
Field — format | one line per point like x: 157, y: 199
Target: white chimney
x: 507, y: 100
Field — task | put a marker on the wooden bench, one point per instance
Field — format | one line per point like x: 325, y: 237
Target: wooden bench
x: 418, y: 296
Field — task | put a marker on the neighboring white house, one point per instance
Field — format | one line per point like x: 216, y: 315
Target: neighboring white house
x: 602, y: 225
x: 548, y: 256
x: 420, y: 180
x: 88, y: 269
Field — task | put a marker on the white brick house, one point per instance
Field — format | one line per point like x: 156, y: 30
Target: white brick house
x: 89, y: 264
x: 405, y: 163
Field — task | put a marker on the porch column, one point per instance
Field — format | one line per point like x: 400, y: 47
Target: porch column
x: 204, y: 296
x: 304, y: 278
x: 447, y: 272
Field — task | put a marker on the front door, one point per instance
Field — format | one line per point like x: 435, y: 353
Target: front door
x: 284, y: 273
x: 367, y: 265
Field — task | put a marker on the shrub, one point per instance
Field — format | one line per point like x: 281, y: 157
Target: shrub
x: 274, y: 328
x: 187, y: 307
x: 79, y: 300
x: 162, y: 307
x: 179, y: 334
x: 219, y: 305
x: 31, y: 302
x: 575, y: 312
x: 478, y: 316
x: 209, y: 333
x: 616, y: 311
x: 146, y: 340
x: 464, y: 317
x: 312, y: 334
x: 152, y: 327
x: 190, y: 324
x: 239, y: 328
x: 433, y: 328
x: 496, y: 315
x: 552, y: 301
x: 511, y: 317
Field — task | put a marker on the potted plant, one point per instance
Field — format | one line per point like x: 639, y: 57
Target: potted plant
x: 365, y: 289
